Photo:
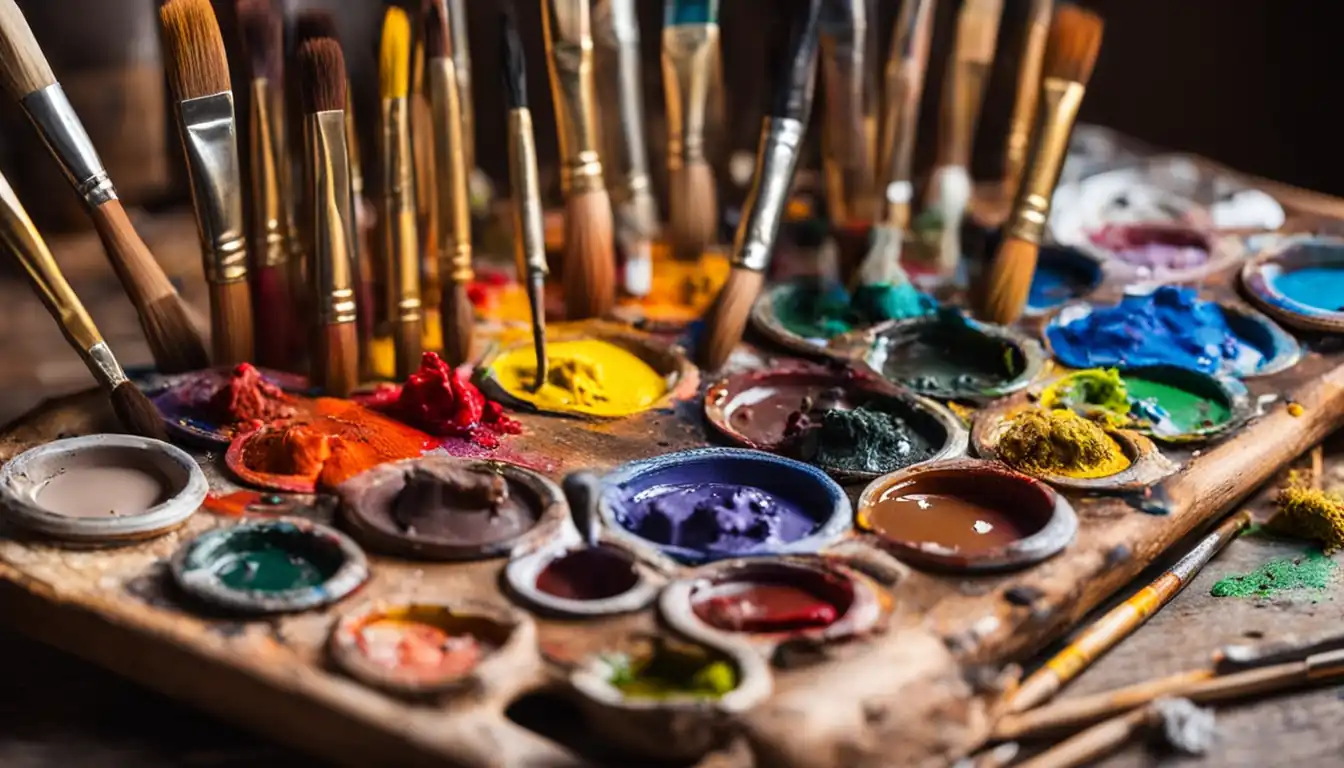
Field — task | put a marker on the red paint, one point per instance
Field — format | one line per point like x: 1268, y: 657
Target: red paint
x: 765, y: 607
x: 589, y: 574
x: 248, y: 397
x: 442, y: 401
x: 232, y: 505
x: 275, y: 328
x: 486, y: 283
x: 418, y: 648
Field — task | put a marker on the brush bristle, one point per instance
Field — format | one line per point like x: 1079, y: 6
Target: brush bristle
x: 513, y: 59
x: 263, y: 39
x: 1075, y: 41
x: 590, y: 256
x: 312, y: 24
x: 1009, y: 281
x: 193, y: 49
x: 394, y: 55
x: 336, y: 362
x: 437, y: 37
x: 978, y: 30
x: 693, y: 210
x: 459, y: 321
x: 174, y: 340
x: 136, y: 413
x: 22, y: 64
x: 727, y: 319
x: 795, y: 57
x: 322, y: 77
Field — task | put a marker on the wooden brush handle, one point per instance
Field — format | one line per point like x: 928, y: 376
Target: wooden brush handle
x: 336, y: 359
x: 273, y: 330
x: 406, y: 339
x: 139, y: 273
x: 230, y: 323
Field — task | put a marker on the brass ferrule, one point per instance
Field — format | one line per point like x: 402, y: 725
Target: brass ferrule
x: 210, y: 140
x: 58, y: 125
x: 627, y: 157
x: 451, y: 172
x: 398, y: 161
x: 529, y: 239
x: 1058, y: 109
x: 688, y: 65
x: 268, y: 214
x: 1024, y: 106
x: 776, y: 161
x: 333, y: 230
x: 398, y: 211
x: 569, y: 43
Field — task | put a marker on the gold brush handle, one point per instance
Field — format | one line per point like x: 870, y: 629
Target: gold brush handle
x: 688, y: 60
x: 450, y: 160
x: 569, y: 45
x: 1059, y: 103
x: 1028, y: 86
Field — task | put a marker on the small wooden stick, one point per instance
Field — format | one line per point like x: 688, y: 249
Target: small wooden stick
x: 1100, y: 739
x: 1317, y: 466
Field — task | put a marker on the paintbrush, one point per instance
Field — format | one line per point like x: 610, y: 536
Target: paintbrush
x: 173, y: 339
x: 136, y: 414
x: 263, y: 41
x: 690, y: 45
x: 401, y: 245
x: 782, y: 133
x: 589, y: 256
x: 1122, y: 620
x: 422, y: 171
x: 626, y: 156
x: 848, y: 135
x: 963, y: 93
x: 529, y: 240
x: 198, y: 73
x: 1034, y: 38
x: 323, y: 82
x: 1075, y: 39
x: 307, y: 25
x: 461, y: 48
x: 583, y: 491
x: 453, y: 191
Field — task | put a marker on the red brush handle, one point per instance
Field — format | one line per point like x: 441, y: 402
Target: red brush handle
x: 273, y: 307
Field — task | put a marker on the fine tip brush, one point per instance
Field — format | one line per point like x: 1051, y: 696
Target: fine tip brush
x: 782, y: 134
x: 322, y: 83
x: 1075, y: 40
x: 173, y: 338
x: 529, y: 239
x: 198, y: 73
x: 452, y: 195
x: 422, y: 169
x: 272, y: 220
x: 1034, y: 39
x: 690, y: 48
x: 401, y: 242
x: 136, y: 414
x: 589, y: 251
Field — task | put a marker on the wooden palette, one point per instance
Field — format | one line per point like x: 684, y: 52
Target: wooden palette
x: 918, y: 690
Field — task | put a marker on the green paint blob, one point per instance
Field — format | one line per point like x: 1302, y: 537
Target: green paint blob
x: 269, y: 568
x: 1308, y: 571
x: 868, y: 440
x: 824, y: 313
x: 1091, y: 391
x: 1172, y: 410
x: 673, y: 670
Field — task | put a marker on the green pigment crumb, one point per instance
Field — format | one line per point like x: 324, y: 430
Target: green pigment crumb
x: 1309, y: 571
x: 867, y: 440
x: 1311, y: 514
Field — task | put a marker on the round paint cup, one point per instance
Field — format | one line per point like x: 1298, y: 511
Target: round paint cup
x: 816, y: 499
x: 582, y: 581
x: 1300, y: 283
x: 282, y: 565
x: 1063, y: 274
x: 102, y: 489
x: 766, y: 317
x: 966, y: 515
x: 1226, y: 391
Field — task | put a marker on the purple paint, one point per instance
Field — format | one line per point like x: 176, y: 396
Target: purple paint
x: 715, y: 518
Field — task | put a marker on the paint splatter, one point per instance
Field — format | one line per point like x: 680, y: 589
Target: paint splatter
x: 1304, y: 572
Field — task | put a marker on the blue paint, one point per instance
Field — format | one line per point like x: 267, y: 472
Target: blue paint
x: 1170, y: 326
x: 1061, y: 275
x: 691, y: 12
x: 1320, y: 288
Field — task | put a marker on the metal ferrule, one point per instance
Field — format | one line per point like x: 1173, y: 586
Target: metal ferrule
x: 627, y: 159
x: 399, y: 214
x: 569, y: 42
x: 688, y: 65
x: 333, y: 230
x: 1059, y: 104
x: 63, y: 133
x: 210, y: 139
x: 776, y: 161
x: 398, y: 161
x: 284, y: 164
x: 452, y: 173
x: 529, y: 241
x: 104, y: 366
x: 268, y: 214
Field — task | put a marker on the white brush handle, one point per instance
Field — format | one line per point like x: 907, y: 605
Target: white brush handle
x: 950, y: 191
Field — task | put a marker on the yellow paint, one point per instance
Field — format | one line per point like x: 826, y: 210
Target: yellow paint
x: 588, y: 376
x: 383, y: 353
x: 1115, y: 462
x: 681, y: 290
x: 1295, y: 410
x: 1060, y: 442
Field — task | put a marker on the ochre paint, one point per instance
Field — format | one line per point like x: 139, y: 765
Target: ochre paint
x: 1060, y: 442
x: 1309, y: 513
x: 964, y: 513
x: 765, y: 607
x: 406, y: 645
x: 442, y: 401
x: 587, y: 376
x: 682, y: 290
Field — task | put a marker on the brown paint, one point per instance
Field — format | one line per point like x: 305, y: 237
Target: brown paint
x: 968, y: 513
x: 103, y: 486
x: 453, y: 505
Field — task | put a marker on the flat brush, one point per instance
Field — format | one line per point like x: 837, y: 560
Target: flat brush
x: 173, y: 339
x: 452, y: 194
x: 1075, y: 40
x: 529, y: 240
x: 401, y: 244
x: 136, y: 414
x: 848, y: 128
x: 336, y: 342
x: 782, y: 134
x: 306, y: 25
x: 198, y: 72
x: 1034, y: 38
x: 690, y: 48
x: 589, y: 254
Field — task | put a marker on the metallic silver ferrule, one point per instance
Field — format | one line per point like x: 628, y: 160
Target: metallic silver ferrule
x: 333, y: 229
x: 104, y: 366
x: 625, y: 155
x: 210, y: 140
x: 776, y: 161
x: 63, y: 133
x: 528, y: 226
x: 398, y: 157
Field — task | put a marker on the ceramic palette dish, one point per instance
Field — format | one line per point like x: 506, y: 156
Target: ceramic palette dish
x: 753, y: 409
x: 102, y: 489
x: 582, y: 581
x: 966, y: 515
x: 180, y: 400
x: 769, y: 313
x: 1300, y: 283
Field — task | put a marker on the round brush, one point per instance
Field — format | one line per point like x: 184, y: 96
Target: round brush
x: 690, y: 49
x: 401, y: 243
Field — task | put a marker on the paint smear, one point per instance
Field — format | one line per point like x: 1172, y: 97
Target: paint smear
x: 1309, y: 571
x: 589, y: 376
x: 1317, y: 287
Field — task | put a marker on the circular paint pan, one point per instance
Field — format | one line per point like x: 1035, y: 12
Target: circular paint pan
x: 967, y: 515
x: 273, y: 566
x: 768, y: 317
x: 424, y: 649
x: 754, y: 408
x: 102, y: 489
x: 411, y: 508
x: 582, y: 581
x: 681, y: 378
x: 1147, y: 466
x: 749, y: 503
x: 772, y: 600
x: 1300, y: 283
x: 180, y: 402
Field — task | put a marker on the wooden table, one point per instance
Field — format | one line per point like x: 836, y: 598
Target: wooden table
x: 58, y: 710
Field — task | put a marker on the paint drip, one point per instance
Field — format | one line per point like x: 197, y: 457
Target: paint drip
x: 814, y: 312
x: 862, y: 439
x: 1060, y: 442
x: 1310, y: 571
x: 1155, y: 248
x: 1320, y: 288
x: 719, y: 518
x: 588, y: 376
x: 672, y: 671
x: 441, y: 401
x: 248, y: 397
x: 1309, y: 513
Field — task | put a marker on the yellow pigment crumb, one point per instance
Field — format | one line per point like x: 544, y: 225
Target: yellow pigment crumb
x: 1060, y: 442
x: 1295, y: 410
x: 1309, y: 513
x: 963, y: 412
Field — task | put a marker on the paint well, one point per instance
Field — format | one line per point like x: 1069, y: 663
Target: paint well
x: 716, y: 518
x: 1060, y: 442
x: 267, y: 567
x: 417, y: 648
x: 874, y: 438
x: 1061, y: 275
x: 773, y: 599
x: 118, y: 488
x: 949, y: 357
x: 813, y: 311
x: 588, y: 376
x: 1173, y: 410
x: 589, y: 574
x: 1320, y: 288
x: 967, y: 513
x: 672, y: 670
